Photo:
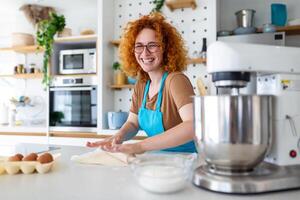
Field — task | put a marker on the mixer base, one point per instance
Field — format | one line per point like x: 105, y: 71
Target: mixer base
x: 265, y: 178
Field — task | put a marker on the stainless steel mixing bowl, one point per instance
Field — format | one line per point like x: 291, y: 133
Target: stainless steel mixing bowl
x: 233, y: 132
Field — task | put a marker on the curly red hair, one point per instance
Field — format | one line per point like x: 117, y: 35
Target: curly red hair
x: 172, y: 44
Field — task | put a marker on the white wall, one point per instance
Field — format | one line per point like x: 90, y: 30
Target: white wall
x: 79, y: 15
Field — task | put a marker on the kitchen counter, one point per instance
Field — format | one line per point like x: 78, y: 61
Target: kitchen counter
x: 23, y: 129
x: 69, y: 180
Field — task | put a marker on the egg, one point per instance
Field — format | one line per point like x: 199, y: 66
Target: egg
x: 20, y: 156
x: 45, y: 158
x: 17, y: 157
x: 30, y: 157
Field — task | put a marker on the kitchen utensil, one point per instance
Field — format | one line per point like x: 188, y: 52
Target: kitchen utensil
x: 116, y: 119
x: 278, y: 14
x: 3, y: 114
x: 233, y: 131
x: 162, y: 173
x: 201, y: 87
x: 245, y: 18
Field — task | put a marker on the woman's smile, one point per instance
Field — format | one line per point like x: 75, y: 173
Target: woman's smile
x: 147, y: 50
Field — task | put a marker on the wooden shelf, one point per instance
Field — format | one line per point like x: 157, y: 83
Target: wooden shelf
x: 122, y: 86
x: 78, y: 38
x: 176, y: 4
x: 24, y: 49
x: 115, y: 42
x: 196, y: 61
x: 289, y: 30
x: 23, y: 76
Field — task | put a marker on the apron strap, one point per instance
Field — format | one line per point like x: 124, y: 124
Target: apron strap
x: 159, y: 98
x: 145, y: 94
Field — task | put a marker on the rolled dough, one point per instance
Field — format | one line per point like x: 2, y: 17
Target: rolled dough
x: 102, y: 158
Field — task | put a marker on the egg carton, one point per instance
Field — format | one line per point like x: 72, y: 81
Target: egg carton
x: 26, y: 167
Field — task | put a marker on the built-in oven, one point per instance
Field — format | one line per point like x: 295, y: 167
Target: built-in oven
x: 73, y: 104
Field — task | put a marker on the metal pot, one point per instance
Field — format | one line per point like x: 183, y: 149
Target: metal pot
x: 245, y: 18
x: 233, y: 132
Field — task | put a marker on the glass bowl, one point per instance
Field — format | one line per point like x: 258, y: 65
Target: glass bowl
x: 162, y: 173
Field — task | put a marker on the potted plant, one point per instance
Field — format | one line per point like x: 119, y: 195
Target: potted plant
x: 158, y: 5
x: 46, y: 31
x: 120, y: 77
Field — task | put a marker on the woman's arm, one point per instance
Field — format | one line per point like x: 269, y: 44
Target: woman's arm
x: 130, y: 127
x: 175, y: 136
x: 126, y: 132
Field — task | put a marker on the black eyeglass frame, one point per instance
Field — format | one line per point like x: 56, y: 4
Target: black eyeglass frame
x: 147, y: 47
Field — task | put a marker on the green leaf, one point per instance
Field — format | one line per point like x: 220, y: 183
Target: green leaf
x: 45, y: 38
x: 116, y: 65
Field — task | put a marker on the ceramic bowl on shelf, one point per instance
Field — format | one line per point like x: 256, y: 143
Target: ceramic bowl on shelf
x: 222, y: 33
x: 244, y: 30
x: 22, y: 39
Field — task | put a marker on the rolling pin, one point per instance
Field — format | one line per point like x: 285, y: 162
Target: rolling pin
x: 201, y: 87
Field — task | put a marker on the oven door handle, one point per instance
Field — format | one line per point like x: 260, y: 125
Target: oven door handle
x: 72, y: 89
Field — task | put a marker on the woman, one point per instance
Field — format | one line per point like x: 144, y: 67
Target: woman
x: 162, y: 106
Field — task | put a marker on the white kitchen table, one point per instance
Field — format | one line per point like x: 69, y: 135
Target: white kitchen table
x: 69, y: 180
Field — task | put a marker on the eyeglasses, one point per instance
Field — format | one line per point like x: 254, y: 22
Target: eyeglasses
x: 151, y: 47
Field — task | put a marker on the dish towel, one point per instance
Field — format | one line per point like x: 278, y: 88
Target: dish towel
x: 103, y: 158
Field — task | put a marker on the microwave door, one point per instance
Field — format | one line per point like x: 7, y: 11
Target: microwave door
x: 73, y: 63
x: 75, y: 107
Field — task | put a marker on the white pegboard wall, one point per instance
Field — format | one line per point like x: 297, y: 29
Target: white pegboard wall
x: 194, y: 25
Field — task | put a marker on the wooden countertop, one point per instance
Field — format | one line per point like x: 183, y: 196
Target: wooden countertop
x: 65, y: 134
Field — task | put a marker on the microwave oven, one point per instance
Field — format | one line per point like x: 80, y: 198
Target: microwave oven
x: 77, y: 61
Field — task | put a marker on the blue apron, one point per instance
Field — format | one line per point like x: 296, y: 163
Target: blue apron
x: 151, y: 121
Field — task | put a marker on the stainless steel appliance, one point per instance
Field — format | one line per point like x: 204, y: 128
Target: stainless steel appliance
x: 77, y: 61
x: 245, y: 18
x: 277, y: 38
x: 73, y: 104
x: 250, y: 143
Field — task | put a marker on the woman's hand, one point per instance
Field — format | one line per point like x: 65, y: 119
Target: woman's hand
x: 134, y: 148
x: 108, y: 143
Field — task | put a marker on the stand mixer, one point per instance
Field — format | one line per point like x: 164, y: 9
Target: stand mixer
x: 250, y: 138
